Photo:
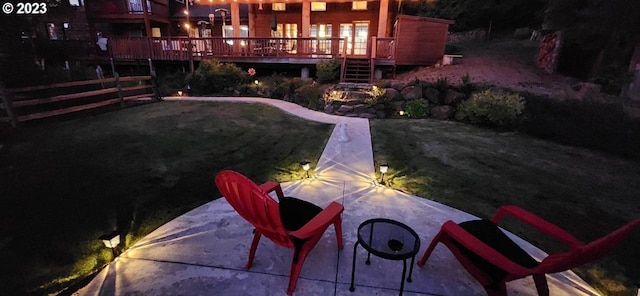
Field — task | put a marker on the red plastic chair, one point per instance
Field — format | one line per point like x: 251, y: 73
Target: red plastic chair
x: 290, y: 223
x: 493, y: 259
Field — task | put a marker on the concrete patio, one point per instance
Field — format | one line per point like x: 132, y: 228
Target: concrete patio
x: 203, y: 251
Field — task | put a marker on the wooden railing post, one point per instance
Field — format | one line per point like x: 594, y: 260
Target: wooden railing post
x: 8, y: 106
x: 372, y: 60
x: 118, y: 86
x: 190, y: 52
x: 154, y: 83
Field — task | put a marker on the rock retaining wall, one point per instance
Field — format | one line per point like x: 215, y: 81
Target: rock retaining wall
x: 357, y: 101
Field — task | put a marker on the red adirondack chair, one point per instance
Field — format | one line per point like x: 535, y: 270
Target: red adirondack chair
x: 290, y: 222
x: 493, y: 259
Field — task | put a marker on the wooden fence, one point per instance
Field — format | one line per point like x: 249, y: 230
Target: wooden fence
x: 35, y: 102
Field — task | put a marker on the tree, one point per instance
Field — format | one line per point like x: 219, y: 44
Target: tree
x: 609, y: 29
x: 473, y: 14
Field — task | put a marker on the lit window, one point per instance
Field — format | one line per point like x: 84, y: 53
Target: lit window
x: 318, y: 6
x: 359, y: 5
x: 279, y: 6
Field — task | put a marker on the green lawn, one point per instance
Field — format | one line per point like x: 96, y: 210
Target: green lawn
x: 477, y: 170
x: 67, y: 181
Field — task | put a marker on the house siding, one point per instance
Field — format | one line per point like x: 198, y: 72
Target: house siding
x: 336, y: 14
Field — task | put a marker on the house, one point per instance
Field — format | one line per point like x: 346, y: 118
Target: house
x: 78, y: 30
x: 368, y: 35
x: 128, y: 18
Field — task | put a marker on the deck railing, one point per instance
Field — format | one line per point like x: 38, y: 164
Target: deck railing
x: 180, y: 48
x: 385, y: 48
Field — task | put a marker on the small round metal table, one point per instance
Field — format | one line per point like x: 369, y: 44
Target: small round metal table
x: 387, y: 239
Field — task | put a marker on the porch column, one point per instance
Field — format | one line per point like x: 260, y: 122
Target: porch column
x: 252, y: 21
x: 235, y: 19
x: 145, y: 14
x: 306, y: 18
x: 382, y: 19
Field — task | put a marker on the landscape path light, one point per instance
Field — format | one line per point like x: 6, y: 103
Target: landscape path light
x: 306, y: 166
x: 384, y: 167
x: 111, y: 241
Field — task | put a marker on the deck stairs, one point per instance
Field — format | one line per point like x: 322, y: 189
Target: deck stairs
x: 356, y: 70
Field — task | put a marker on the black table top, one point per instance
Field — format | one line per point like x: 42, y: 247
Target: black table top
x: 388, y: 239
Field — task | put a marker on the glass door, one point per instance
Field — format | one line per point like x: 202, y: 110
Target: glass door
x: 346, y: 32
x: 322, y: 32
x: 355, y: 35
x: 361, y: 34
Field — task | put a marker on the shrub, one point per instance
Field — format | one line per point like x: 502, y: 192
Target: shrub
x: 213, y: 76
x: 328, y: 71
x: 442, y: 85
x: 418, y: 108
x: 376, y: 95
x: 171, y: 83
x: 493, y: 108
x: 309, y: 95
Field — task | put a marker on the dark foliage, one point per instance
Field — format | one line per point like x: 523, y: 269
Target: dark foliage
x: 601, y: 126
x: 471, y: 14
x: 600, y: 35
x: 213, y: 76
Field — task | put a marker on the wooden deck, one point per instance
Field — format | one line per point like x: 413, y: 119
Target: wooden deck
x: 246, y: 50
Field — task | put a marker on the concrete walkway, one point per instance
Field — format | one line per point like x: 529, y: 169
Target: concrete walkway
x: 203, y: 251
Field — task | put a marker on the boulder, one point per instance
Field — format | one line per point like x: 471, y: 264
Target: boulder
x: 415, y: 82
x: 356, y: 95
x: 587, y: 90
x: 442, y: 112
x: 352, y: 102
x: 361, y: 108
x: 329, y: 109
x: 398, y: 105
x: 392, y: 94
x: 345, y: 109
x: 453, y: 97
x: 383, y: 83
x: 398, y: 85
x: 411, y: 93
x: 431, y: 94
x: 367, y: 115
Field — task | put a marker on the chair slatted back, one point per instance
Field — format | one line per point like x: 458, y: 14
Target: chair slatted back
x: 254, y: 205
x: 587, y: 253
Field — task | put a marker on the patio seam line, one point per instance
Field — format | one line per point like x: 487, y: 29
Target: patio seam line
x: 227, y: 268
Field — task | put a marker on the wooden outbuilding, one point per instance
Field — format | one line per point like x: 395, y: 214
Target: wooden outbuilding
x: 420, y: 40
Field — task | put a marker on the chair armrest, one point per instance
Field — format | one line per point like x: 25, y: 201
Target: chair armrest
x: 270, y: 186
x: 537, y: 222
x: 320, y: 222
x: 483, y: 250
